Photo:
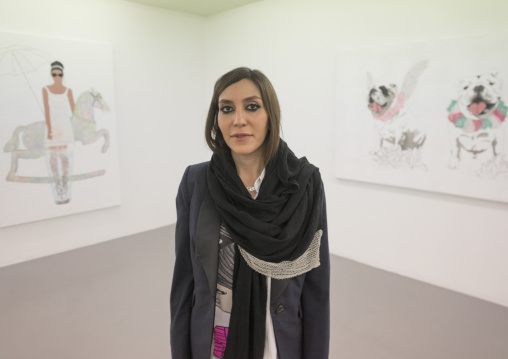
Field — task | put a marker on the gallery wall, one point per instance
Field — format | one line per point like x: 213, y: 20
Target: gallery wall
x: 454, y: 242
x: 159, y: 89
x: 165, y: 66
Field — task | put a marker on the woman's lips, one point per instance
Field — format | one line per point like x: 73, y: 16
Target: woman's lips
x: 241, y: 136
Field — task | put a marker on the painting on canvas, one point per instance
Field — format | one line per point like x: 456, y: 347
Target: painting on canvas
x: 429, y: 116
x: 57, y: 128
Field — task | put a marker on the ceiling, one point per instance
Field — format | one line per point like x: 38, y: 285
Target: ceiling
x: 197, y: 7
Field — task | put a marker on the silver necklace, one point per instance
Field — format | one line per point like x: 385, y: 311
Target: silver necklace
x: 250, y: 189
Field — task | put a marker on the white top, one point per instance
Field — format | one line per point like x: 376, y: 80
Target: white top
x: 60, y: 118
x: 257, y: 183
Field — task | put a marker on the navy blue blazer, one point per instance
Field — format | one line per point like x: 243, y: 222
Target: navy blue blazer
x: 300, y: 306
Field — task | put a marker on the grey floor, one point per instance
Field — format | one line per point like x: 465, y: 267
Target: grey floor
x: 110, y: 301
x: 381, y: 315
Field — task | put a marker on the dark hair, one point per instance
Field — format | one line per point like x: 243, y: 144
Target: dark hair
x: 213, y: 135
x: 385, y: 91
x: 55, y: 66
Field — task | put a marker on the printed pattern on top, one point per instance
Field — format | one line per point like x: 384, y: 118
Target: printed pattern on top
x: 224, y: 294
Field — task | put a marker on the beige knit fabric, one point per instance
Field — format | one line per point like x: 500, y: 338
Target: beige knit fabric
x: 287, y: 269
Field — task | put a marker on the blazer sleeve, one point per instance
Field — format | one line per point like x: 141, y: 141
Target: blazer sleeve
x: 183, y: 281
x: 315, y: 300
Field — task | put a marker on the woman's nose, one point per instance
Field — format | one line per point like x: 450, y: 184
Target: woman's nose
x: 240, y: 118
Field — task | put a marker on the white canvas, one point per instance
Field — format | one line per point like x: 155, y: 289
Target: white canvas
x: 442, y: 127
x: 29, y: 192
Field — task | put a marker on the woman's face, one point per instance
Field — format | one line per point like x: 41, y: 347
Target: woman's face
x: 57, y: 75
x: 242, y: 118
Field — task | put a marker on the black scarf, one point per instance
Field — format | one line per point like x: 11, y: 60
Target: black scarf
x: 278, y: 226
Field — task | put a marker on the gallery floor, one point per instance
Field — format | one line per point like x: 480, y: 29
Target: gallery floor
x: 111, y: 300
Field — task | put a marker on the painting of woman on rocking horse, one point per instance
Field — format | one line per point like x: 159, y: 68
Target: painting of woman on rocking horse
x: 65, y: 123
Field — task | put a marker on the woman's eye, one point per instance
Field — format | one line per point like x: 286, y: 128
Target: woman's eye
x: 253, y: 107
x: 226, y: 109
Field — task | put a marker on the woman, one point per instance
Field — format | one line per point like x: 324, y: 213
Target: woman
x: 59, y: 136
x: 251, y: 276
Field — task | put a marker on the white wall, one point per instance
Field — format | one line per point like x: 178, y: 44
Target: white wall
x: 457, y: 243
x: 159, y: 82
x: 165, y: 67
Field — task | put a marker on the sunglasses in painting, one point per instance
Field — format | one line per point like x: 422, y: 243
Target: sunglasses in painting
x: 55, y: 75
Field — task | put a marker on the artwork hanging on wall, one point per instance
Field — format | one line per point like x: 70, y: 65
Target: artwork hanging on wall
x: 428, y: 116
x: 57, y: 128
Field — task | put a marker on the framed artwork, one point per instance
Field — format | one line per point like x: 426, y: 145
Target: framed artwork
x: 57, y: 128
x: 429, y: 116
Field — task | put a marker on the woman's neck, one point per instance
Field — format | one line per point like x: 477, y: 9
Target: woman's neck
x: 57, y: 88
x: 248, y: 168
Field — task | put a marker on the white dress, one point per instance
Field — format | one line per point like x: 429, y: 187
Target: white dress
x: 60, y: 117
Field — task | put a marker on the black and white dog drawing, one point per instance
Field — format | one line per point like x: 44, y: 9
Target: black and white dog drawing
x: 401, y: 134
x: 476, y: 122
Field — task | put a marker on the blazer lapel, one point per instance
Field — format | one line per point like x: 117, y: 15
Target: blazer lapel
x: 278, y: 286
x: 207, y: 240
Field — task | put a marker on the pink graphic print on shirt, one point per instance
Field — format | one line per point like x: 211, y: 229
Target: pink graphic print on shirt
x: 219, y: 340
